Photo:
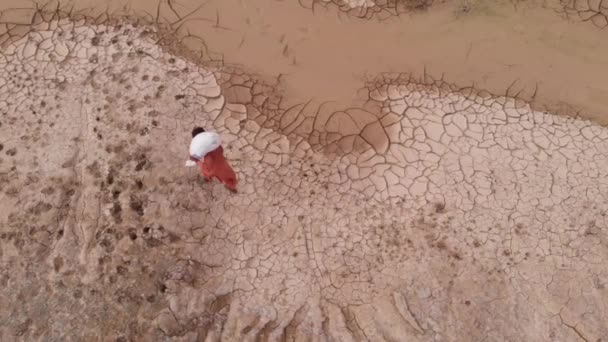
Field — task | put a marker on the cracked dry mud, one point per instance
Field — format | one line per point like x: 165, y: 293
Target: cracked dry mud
x: 430, y: 213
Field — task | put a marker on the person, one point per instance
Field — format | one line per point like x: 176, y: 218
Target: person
x: 207, y: 152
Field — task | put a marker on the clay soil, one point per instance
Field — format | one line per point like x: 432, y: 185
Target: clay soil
x: 409, y: 170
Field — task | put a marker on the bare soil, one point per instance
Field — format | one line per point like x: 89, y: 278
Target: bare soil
x: 409, y: 170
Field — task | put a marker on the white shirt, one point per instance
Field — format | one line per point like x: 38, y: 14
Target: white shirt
x: 204, y: 143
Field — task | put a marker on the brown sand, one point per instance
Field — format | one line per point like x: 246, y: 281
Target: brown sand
x: 385, y: 193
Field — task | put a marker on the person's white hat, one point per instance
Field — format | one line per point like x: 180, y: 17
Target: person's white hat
x: 201, y: 144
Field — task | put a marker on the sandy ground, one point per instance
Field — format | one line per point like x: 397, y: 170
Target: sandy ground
x: 399, y: 177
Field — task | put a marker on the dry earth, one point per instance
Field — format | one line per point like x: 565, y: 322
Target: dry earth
x: 412, y: 209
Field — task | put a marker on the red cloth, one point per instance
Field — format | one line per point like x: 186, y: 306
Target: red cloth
x: 214, y: 165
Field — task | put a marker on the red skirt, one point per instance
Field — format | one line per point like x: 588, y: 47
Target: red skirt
x: 214, y: 165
